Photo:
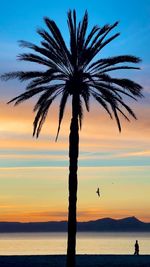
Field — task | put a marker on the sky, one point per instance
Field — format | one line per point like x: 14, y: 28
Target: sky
x: 34, y: 172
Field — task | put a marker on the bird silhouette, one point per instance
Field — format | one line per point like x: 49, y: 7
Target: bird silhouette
x: 98, y: 192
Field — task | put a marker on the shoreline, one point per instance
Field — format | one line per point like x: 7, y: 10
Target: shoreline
x: 83, y: 260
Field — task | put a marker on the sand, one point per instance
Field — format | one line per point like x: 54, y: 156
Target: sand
x: 81, y: 260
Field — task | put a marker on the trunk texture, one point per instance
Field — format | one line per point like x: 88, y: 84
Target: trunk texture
x: 73, y: 183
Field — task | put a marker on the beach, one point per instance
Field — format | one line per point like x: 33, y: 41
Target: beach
x: 81, y: 260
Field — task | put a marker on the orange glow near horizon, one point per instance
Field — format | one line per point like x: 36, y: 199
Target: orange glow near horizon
x: 58, y: 216
x: 33, y: 192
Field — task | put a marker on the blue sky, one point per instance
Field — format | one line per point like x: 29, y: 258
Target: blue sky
x: 20, y: 19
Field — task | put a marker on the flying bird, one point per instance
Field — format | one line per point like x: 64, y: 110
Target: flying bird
x: 98, y: 192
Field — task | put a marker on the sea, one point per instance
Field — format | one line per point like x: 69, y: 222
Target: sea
x: 87, y: 243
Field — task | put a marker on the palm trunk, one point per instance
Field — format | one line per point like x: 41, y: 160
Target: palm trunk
x: 73, y: 167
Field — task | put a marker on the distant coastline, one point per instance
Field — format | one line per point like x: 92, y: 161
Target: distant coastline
x: 130, y: 224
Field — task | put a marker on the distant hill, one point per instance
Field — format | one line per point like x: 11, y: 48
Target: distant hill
x: 130, y: 224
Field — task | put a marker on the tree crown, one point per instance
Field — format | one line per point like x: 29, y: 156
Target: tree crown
x: 74, y: 71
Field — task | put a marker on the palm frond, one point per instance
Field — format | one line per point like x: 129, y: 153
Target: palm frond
x: 124, y: 115
x: 90, y: 36
x: 101, y: 31
x: 82, y: 32
x: 130, y: 85
x: 130, y: 111
x: 73, y: 37
x: 120, y: 68
x: 23, y: 97
x: 86, y: 96
x: 52, y: 56
x: 61, y: 110
x: 109, y: 83
x: 98, y: 44
x: 41, y: 116
x: 105, y: 87
x: 103, y: 63
x: 21, y: 75
x: 43, y: 113
x: 116, y: 117
x: 36, y: 59
x: 55, y: 89
x: 58, y: 37
x: 102, y: 102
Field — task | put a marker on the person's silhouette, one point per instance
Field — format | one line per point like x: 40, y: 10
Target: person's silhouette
x: 136, y: 248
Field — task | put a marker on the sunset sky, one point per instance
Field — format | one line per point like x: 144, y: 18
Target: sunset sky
x: 34, y: 172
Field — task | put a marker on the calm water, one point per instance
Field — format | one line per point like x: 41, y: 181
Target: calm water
x: 87, y: 243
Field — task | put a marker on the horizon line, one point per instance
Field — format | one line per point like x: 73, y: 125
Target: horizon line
x: 57, y: 221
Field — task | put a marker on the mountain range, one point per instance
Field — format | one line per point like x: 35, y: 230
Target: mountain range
x: 130, y: 224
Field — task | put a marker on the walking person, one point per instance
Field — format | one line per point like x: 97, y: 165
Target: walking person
x: 136, y: 248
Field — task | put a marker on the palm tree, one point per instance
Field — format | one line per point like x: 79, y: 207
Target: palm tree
x: 73, y: 72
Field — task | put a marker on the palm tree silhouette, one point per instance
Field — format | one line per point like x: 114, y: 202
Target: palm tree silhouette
x: 72, y: 72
